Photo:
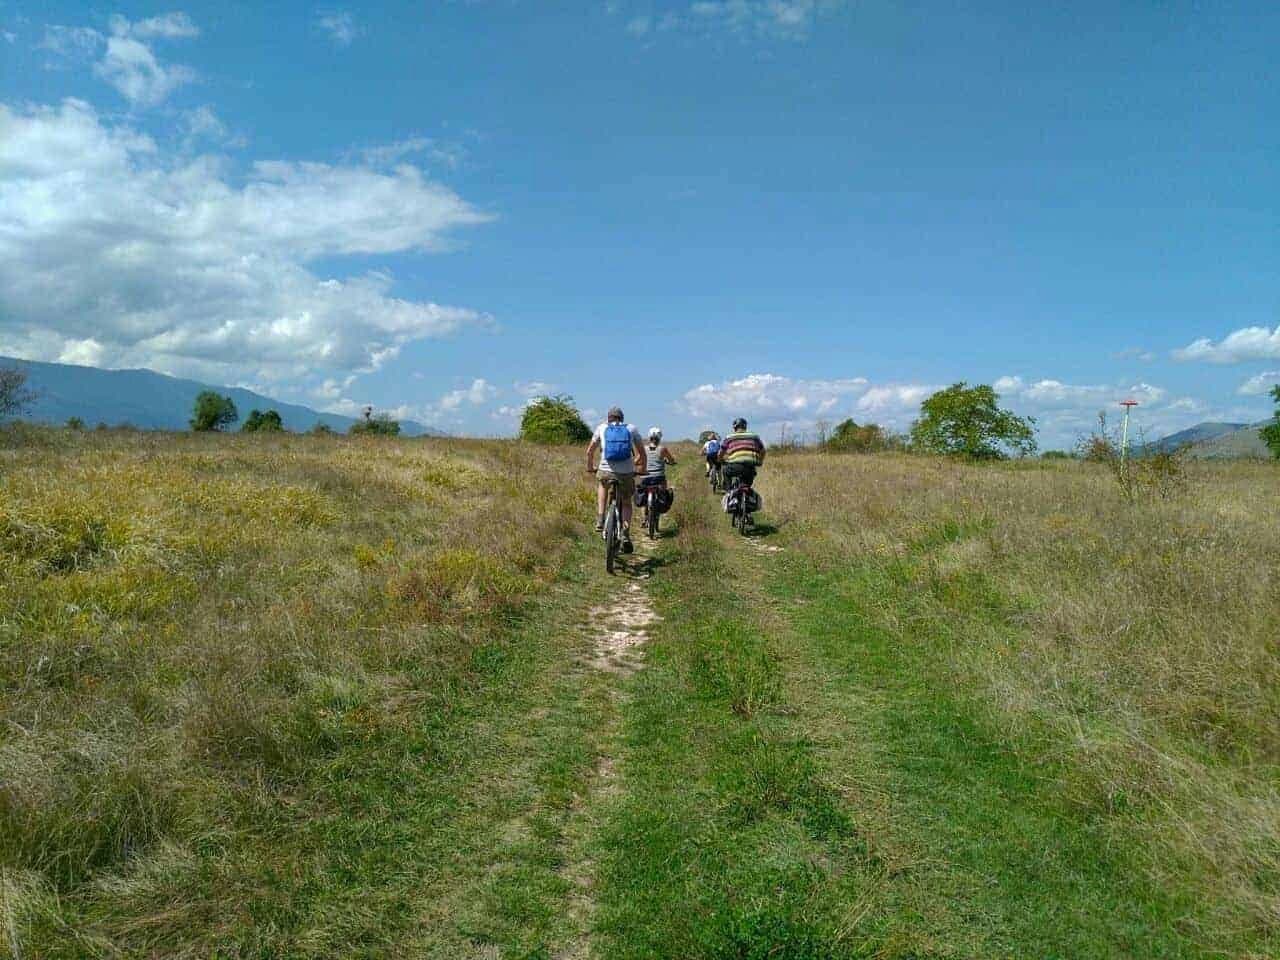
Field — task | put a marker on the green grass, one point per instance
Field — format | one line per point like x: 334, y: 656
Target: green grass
x: 322, y: 697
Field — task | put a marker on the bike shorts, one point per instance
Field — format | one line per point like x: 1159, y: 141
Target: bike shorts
x: 745, y: 472
x: 626, y: 484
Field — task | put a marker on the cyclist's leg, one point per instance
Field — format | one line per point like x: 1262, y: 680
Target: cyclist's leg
x: 602, y: 499
x: 626, y: 498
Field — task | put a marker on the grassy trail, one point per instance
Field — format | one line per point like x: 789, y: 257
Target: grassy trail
x: 405, y: 723
x: 798, y: 781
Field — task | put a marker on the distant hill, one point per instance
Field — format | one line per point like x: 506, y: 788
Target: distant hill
x: 1217, y: 441
x: 150, y: 400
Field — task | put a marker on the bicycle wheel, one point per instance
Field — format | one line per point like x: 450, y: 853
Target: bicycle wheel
x: 611, y: 538
x: 611, y: 542
x: 651, y: 514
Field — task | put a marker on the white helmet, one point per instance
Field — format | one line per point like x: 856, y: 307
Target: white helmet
x: 655, y: 434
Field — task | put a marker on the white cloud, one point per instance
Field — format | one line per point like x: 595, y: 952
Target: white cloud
x: 480, y: 391
x: 131, y: 67
x: 169, y: 25
x: 1055, y: 393
x: 1260, y: 384
x: 535, y: 388
x: 746, y: 19
x: 127, y: 62
x: 69, y: 45
x: 1134, y: 353
x: 341, y: 27
x: 450, y: 155
x: 1247, y: 343
x: 171, y: 264
x: 773, y: 399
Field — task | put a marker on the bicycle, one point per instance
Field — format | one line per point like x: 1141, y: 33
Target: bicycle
x: 740, y: 517
x: 651, y: 511
x: 716, y: 478
x: 612, y: 526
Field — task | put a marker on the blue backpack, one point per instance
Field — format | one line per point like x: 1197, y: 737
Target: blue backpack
x: 617, y: 442
x: 713, y: 447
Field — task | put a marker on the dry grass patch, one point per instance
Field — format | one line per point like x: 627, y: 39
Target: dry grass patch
x: 1139, y: 635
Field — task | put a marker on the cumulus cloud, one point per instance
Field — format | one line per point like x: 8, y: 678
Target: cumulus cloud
x: 127, y: 62
x: 1260, y: 384
x: 113, y: 254
x: 772, y: 398
x: 480, y: 391
x: 341, y: 27
x: 1247, y: 343
x: 174, y: 25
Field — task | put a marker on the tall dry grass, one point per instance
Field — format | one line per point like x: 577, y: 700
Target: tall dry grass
x: 1136, y: 643
x: 189, y: 623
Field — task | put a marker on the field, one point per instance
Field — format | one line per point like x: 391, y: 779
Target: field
x: 327, y: 697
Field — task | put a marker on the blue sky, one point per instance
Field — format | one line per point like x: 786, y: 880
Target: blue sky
x: 796, y: 210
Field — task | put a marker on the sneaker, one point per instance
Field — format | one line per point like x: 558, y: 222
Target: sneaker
x: 626, y: 545
x: 600, y: 525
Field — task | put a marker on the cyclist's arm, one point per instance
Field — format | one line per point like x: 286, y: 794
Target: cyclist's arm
x: 592, y: 447
x: 760, y: 453
x: 642, y: 458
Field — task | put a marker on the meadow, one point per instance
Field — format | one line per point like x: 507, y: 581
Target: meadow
x: 280, y: 696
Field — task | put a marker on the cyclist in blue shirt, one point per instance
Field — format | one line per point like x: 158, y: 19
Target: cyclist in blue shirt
x: 624, y: 454
x: 711, y: 451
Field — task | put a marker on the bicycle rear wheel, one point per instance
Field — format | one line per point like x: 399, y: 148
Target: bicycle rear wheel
x: 611, y: 538
x: 651, y: 514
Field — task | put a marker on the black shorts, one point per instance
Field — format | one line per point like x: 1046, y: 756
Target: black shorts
x: 745, y: 472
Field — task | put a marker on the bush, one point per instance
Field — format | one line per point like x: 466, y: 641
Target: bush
x: 213, y: 412
x: 1271, y: 432
x: 258, y: 422
x: 553, y: 420
x: 75, y: 423
x: 14, y: 395
x: 967, y: 422
x: 849, y: 437
x: 379, y: 425
x: 1056, y: 455
x: 321, y: 430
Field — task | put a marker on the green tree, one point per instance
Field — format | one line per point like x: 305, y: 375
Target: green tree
x: 968, y: 422
x: 321, y: 429
x: 257, y: 421
x: 213, y: 412
x: 1271, y: 432
x: 75, y: 423
x: 553, y: 420
x: 14, y: 395
x: 375, y: 425
x: 849, y: 437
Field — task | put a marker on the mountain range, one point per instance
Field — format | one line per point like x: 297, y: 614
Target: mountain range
x: 152, y: 401
x: 1215, y: 441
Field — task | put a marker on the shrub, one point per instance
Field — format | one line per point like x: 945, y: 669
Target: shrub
x: 258, y: 422
x: 379, y: 425
x: 14, y: 395
x: 213, y: 412
x: 553, y: 420
x: 75, y: 423
x: 321, y: 429
x: 849, y: 437
x: 1271, y: 432
x: 1056, y: 455
x: 967, y: 421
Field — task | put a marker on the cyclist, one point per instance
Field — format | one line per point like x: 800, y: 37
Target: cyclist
x: 741, y: 453
x: 657, y: 456
x: 619, y: 442
x: 711, y: 450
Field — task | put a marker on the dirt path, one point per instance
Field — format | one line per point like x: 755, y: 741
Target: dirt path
x: 619, y: 627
